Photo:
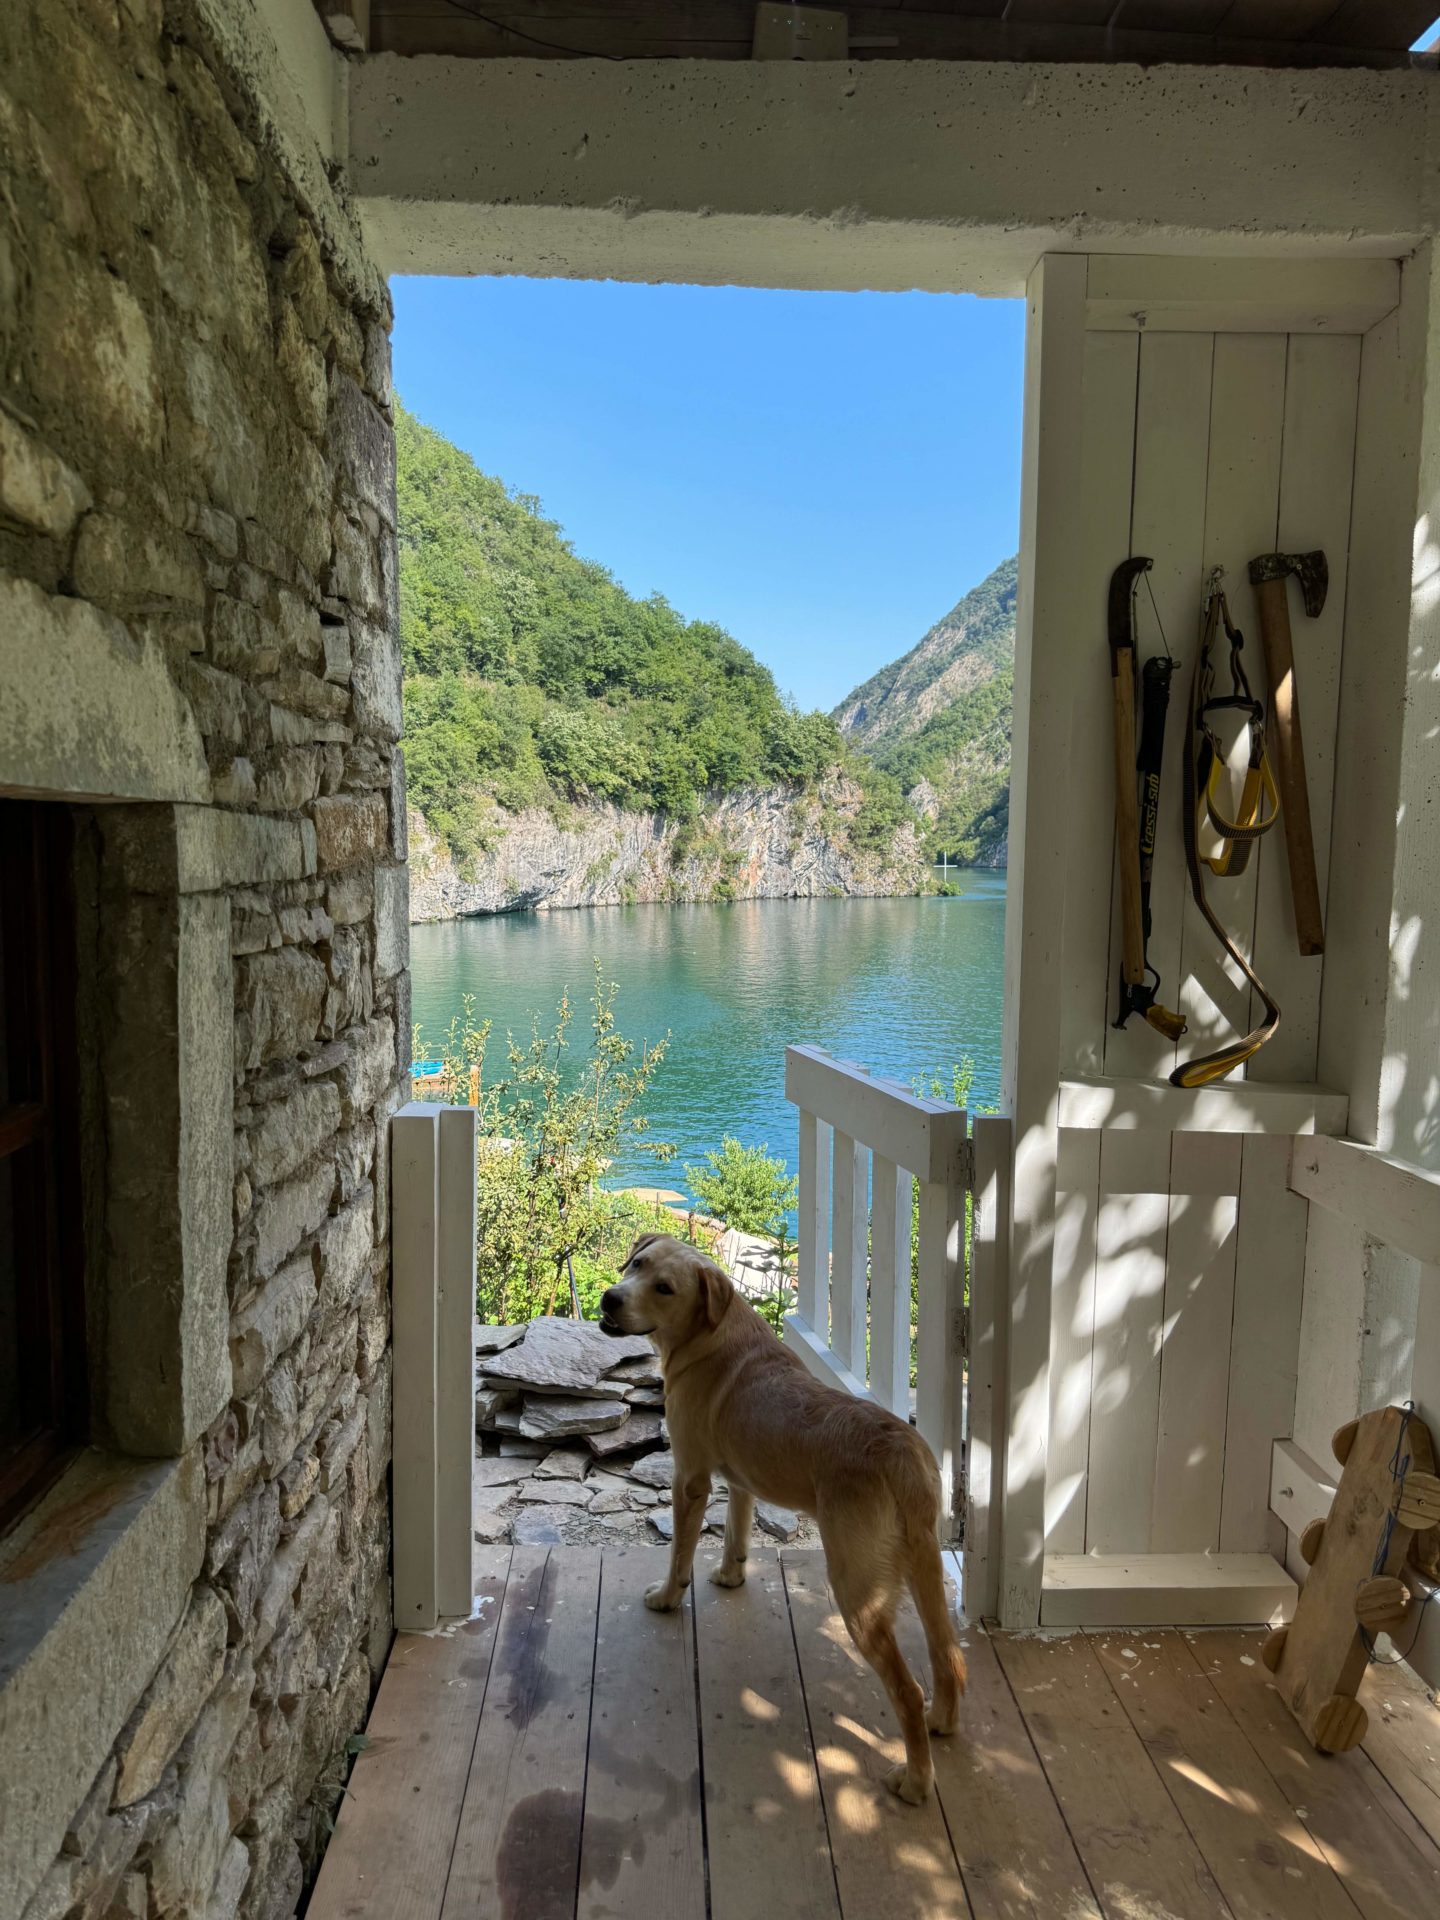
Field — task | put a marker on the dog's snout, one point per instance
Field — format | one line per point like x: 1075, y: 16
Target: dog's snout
x: 610, y: 1300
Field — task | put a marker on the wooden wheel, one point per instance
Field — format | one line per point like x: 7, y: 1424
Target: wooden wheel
x: 1310, y: 1541
x: 1342, y: 1441
x: 1340, y: 1724
x: 1381, y: 1604
x: 1419, y: 1504
x: 1273, y: 1647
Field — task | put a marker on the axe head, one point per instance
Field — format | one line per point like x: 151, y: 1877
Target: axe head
x: 1312, y: 570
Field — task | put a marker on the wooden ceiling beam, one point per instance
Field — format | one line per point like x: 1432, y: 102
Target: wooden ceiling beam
x: 885, y: 30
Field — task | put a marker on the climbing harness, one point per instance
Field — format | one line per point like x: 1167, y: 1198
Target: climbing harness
x: 1137, y: 808
x: 1206, y: 777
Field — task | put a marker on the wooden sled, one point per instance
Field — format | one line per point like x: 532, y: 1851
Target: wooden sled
x: 1320, y: 1659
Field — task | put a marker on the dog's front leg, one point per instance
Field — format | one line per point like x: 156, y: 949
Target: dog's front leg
x: 687, y: 1504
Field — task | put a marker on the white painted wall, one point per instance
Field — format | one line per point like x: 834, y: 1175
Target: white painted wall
x: 1380, y: 1016
x: 1179, y: 1258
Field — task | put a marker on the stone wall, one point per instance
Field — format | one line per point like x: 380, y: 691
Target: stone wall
x: 197, y: 551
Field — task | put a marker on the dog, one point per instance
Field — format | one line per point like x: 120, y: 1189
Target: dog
x: 739, y: 1403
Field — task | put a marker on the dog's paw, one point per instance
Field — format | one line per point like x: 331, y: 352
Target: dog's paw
x: 942, y: 1719
x: 905, y: 1786
x: 724, y: 1576
x: 663, y: 1598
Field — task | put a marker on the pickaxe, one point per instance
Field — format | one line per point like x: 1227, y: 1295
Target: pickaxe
x: 1268, y: 575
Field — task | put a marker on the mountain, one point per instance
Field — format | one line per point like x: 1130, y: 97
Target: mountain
x: 938, y: 721
x: 539, y: 694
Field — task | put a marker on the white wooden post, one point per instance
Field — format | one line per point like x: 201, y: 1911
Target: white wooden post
x: 455, y: 1363
x: 1052, y: 513
x: 938, y: 1340
x: 432, y: 1215
x: 812, y: 1284
x: 988, y: 1326
x: 415, y: 1256
x: 849, y: 1218
x: 890, y: 1287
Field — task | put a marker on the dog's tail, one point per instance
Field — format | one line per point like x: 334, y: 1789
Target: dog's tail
x: 918, y: 1498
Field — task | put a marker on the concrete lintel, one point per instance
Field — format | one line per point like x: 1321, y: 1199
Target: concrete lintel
x: 176, y: 850
x: 92, y: 1584
x: 950, y: 175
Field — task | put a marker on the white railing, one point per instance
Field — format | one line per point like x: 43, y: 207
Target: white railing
x: 1392, y: 1202
x: 864, y: 1143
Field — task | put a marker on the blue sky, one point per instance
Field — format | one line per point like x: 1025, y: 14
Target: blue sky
x: 824, y: 474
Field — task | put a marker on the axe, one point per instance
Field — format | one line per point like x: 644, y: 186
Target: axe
x: 1268, y: 575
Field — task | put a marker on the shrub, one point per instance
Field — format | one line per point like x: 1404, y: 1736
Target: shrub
x: 745, y: 1187
x: 550, y: 1125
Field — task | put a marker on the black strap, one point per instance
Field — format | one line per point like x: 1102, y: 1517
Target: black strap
x: 1214, y: 1066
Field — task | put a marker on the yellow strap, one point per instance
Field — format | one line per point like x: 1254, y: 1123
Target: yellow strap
x: 1200, y: 1073
x: 1251, y: 822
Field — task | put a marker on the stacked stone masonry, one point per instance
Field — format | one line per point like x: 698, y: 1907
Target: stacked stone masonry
x: 196, y: 458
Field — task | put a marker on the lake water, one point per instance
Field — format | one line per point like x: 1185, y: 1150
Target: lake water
x: 906, y: 986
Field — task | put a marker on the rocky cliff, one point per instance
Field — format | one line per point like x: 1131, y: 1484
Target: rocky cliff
x: 758, y: 843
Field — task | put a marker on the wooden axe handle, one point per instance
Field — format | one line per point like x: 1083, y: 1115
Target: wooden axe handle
x: 1127, y: 821
x: 1271, y: 597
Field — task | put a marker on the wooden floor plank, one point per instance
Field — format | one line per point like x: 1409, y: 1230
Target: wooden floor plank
x: 1264, y: 1859
x: 1137, y: 1851
x: 765, y: 1831
x: 1009, y: 1835
x: 1389, y: 1866
x: 1403, y: 1739
x: 517, y: 1851
x: 390, y: 1852
x: 890, y: 1859
x: 643, y: 1846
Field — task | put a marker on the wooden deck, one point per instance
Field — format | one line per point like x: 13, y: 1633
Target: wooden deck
x: 565, y: 1753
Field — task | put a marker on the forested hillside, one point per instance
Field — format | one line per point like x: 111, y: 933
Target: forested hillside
x: 938, y: 719
x: 534, y: 680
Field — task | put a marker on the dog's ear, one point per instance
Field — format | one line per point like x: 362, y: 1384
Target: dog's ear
x: 716, y: 1291
x: 645, y: 1240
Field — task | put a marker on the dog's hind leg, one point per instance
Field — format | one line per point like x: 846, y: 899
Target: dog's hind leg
x: 739, y: 1517
x: 927, y: 1584
x: 867, y: 1605
x: 687, y: 1504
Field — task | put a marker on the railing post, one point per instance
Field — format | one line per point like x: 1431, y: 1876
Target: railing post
x: 432, y: 1214
x: 455, y: 1364
x: 940, y: 1325
x: 890, y: 1287
x: 987, y: 1325
x: 415, y: 1256
x: 812, y: 1281
x: 850, y: 1215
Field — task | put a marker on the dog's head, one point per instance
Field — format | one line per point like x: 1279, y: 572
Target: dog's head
x: 667, y: 1289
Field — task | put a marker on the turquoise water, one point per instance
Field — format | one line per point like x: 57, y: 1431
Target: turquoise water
x: 906, y: 986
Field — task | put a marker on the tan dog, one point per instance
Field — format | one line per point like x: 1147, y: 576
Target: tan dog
x: 740, y: 1404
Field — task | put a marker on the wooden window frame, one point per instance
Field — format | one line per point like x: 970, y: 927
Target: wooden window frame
x: 37, y: 924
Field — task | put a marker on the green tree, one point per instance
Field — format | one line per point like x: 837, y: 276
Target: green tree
x: 745, y: 1187
x: 532, y: 678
